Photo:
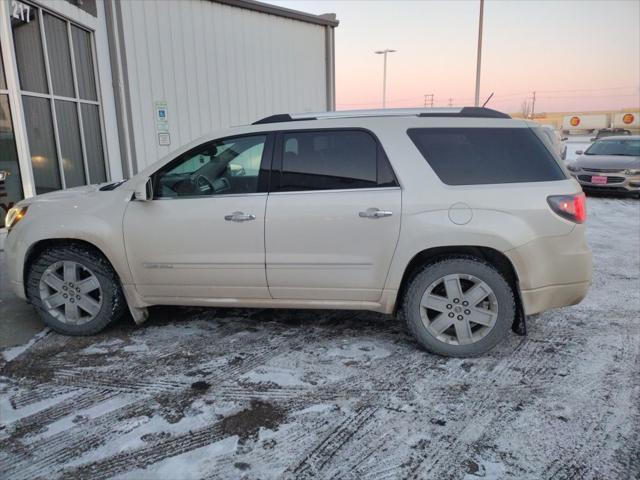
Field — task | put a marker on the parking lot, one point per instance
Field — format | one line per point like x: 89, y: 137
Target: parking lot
x: 220, y: 393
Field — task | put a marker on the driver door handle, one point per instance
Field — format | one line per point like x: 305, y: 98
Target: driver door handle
x: 239, y: 217
x: 375, y: 213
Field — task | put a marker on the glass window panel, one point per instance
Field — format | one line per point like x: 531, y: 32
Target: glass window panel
x: 29, y: 56
x: 70, y: 145
x: 55, y: 31
x: 93, y: 142
x: 11, y: 186
x: 37, y: 114
x: 479, y: 156
x: 328, y: 160
x: 228, y: 166
x: 84, y: 63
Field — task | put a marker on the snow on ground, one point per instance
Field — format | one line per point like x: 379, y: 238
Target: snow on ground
x: 215, y: 393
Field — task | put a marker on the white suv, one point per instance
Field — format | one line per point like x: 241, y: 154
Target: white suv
x: 462, y: 221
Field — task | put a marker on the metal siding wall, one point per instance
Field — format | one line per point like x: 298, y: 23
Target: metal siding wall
x: 216, y: 66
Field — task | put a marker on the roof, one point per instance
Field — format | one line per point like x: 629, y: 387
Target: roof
x: 327, y: 19
x: 468, y: 112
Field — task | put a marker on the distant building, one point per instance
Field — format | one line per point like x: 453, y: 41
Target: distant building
x: 588, y: 121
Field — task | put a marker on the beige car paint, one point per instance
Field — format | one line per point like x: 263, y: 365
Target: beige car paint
x: 195, y: 251
x: 324, y: 238
x: 320, y: 248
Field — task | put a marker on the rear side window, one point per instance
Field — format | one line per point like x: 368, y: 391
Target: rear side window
x: 332, y: 159
x: 475, y: 156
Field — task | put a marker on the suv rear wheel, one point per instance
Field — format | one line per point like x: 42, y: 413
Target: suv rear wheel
x: 75, y: 290
x: 459, y: 306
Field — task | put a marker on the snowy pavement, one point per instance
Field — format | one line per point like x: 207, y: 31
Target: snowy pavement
x: 219, y: 393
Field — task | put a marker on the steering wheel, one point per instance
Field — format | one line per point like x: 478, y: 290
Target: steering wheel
x: 204, y: 185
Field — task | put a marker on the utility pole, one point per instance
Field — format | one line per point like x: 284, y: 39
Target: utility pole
x: 428, y: 98
x: 384, y: 74
x: 450, y: 104
x: 533, y: 105
x: 479, y: 58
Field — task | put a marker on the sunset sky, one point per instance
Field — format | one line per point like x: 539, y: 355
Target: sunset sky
x: 576, y: 54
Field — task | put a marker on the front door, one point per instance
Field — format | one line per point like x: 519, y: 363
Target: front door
x: 202, y: 236
x: 333, y: 218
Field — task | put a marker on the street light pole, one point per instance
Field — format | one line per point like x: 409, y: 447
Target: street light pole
x: 384, y: 75
x: 479, y: 58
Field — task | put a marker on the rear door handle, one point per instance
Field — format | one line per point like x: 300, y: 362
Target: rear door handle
x: 239, y: 217
x: 375, y: 213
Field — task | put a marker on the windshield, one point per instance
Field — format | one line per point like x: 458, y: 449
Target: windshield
x: 627, y: 148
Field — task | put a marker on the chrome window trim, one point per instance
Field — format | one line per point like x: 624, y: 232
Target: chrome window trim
x: 337, y: 190
x: 227, y: 195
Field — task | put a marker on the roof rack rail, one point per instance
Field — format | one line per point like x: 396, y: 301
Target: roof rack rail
x: 471, y: 112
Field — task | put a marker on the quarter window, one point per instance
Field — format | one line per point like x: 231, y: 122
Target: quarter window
x: 475, y: 156
x: 330, y: 160
x: 221, y: 167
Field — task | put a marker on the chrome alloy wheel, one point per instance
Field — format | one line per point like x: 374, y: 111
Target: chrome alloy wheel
x: 459, y: 309
x: 70, y: 292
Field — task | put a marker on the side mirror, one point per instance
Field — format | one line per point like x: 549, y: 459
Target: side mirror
x: 144, y: 192
x: 579, y: 152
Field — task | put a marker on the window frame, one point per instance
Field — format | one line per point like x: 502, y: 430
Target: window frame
x: 51, y: 97
x: 264, y: 174
x: 382, y: 160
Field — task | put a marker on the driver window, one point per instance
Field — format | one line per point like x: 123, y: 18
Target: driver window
x: 221, y: 167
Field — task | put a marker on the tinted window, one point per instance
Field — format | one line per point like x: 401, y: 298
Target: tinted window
x: 222, y: 167
x: 473, y: 156
x: 328, y: 160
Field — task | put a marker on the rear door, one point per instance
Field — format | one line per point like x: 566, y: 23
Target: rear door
x: 333, y: 216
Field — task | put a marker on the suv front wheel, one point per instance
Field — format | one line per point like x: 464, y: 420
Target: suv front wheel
x: 459, y: 306
x: 75, y: 290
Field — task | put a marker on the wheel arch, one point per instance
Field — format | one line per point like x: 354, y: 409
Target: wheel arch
x: 139, y: 314
x: 496, y: 258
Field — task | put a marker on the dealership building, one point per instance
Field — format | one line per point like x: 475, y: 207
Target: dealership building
x: 96, y: 90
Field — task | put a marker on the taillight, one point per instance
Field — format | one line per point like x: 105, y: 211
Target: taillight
x: 571, y: 207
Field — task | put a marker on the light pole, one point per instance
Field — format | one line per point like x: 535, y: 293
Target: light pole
x: 384, y: 75
x: 479, y: 59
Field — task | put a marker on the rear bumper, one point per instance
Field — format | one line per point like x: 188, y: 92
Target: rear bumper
x: 553, y: 296
x: 553, y: 271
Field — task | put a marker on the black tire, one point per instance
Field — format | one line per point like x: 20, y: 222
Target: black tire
x: 113, y: 305
x: 410, y: 310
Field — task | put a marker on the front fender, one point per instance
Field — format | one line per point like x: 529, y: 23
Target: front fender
x: 95, y: 218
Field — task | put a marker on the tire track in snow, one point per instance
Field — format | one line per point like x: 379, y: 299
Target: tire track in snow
x: 65, y: 446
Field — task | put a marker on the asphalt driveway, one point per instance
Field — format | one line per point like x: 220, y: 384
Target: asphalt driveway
x: 219, y: 393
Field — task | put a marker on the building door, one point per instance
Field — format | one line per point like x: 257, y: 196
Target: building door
x: 60, y: 100
x: 10, y: 181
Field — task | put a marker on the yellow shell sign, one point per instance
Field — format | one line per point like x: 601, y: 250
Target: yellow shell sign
x: 628, y: 118
x: 575, y: 121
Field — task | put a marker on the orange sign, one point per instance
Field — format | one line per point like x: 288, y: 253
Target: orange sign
x: 575, y: 121
x: 628, y: 118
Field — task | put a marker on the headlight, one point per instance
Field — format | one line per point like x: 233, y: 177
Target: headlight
x: 14, y: 215
x: 632, y: 172
x: 573, y: 168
